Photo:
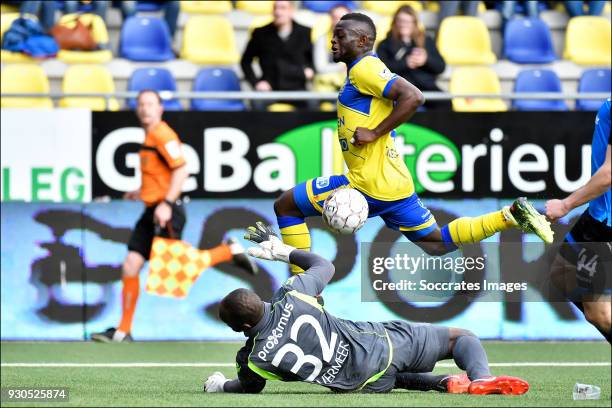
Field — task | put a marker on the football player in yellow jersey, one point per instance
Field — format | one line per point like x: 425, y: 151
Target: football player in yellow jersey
x: 371, y: 104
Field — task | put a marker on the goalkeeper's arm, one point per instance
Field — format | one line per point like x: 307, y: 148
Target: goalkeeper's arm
x: 319, y: 271
x: 235, y: 386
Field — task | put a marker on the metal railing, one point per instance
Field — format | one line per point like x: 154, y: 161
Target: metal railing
x: 304, y: 95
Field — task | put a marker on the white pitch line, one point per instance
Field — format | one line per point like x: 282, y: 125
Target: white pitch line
x: 149, y: 365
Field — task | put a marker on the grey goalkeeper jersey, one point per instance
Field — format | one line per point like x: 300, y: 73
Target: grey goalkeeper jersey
x: 298, y: 340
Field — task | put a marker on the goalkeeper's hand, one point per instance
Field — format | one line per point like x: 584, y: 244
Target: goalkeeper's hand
x: 269, y: 247
x: 215, y: 382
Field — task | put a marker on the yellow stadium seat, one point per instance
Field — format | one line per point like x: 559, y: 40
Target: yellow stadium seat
x: 257, y: 22
x: 8, y: 8
x: 88, y: 79
x: 99, y: 33
x: 281, y: 107
x: 321, y: 26
x: 6, y: 19
x: 476, y: 80
x: 383, y: 26
x: 25, y: 78
x: 388, y: 8
x: 256, y: 7
x: 587, y: 40
x: 206, y: 7
x: 209, y: 39
x: 465, y: 40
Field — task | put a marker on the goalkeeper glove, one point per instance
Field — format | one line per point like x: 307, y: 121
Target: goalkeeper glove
x: 269, y: 247
x: 215, y: 382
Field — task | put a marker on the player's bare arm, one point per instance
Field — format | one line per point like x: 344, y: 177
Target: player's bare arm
x: 163, y: 211
x: 596, y: 186
x: 407, y: 100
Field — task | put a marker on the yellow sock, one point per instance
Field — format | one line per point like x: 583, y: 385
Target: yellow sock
x: 467, y: 230
x: 298, y: 237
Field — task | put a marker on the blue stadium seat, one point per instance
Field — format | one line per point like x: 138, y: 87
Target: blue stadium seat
x: 323, y: 6
x: 216, y: 79
x: 148, y: 5
x: 528, y: 41
x: 146, y: 39
x: 538, y: 80
x: 594, y: 80
x: 158, y: 79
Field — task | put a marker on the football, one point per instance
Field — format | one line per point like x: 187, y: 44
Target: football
x: 345, y: 211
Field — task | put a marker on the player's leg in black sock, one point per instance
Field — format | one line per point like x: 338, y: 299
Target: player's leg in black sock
x: 468, y: 353
x: 420, y: 381
x: 598, y: 314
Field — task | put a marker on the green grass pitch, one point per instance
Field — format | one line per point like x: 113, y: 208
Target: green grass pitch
x: 181, y: 384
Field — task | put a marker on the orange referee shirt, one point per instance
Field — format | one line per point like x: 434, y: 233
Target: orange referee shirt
x: 160, y: 153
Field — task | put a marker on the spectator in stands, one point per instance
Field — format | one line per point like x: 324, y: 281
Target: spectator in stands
x: 451, y: 7
x: 330, y: 75
x: 98, y: 7
x: 576, y: 8
x: 284, y: 51
x: 171, y: 9
x: 410, y: 53
x: 508, y: 10
x: 43, y: 10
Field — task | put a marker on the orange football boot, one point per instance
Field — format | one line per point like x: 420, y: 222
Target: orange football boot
x: 457, y: 383
x: 498, y: 385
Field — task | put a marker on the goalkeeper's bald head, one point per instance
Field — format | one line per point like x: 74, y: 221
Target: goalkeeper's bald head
x: 241, y: 309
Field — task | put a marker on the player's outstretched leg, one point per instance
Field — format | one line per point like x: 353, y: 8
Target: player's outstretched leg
x: 448, y: 383
x: 468, y: 230
x: 293, y: 228
x: 469, y: 355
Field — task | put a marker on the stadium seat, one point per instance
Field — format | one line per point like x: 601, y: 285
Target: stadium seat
x: 206, y: 7
x: 323, y: 6
x: 388, y: 8
x: 6, y: 19
x: 260, y: 21
x: 100, y: 35
x: 146, y: 39
x: 158, y: 79
x: 434, y: 7
x: 320, y: 27
x: 465, y: 40
x: 280, y: 107
x: 587, y: 41
x: 538, y: 80
x: 477, y: 80
x: 25, y: 78
x: 209, y: 39
x: 528, y: 41
x: 256, y: 7
x: 383, y: 26
x: 88, y: 79
x: 594, y: 80
x: 216, y: 79
x: 148, y: 5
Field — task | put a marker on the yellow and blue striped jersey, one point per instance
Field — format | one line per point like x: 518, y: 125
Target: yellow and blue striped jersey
x: 374, y: 168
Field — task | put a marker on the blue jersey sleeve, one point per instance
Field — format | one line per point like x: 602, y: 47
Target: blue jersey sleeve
x: 602, y: 123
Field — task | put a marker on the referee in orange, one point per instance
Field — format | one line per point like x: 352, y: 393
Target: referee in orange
x: 163, y: 173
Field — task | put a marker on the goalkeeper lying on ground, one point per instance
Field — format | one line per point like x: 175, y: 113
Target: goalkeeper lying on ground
x: 293, y: 338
